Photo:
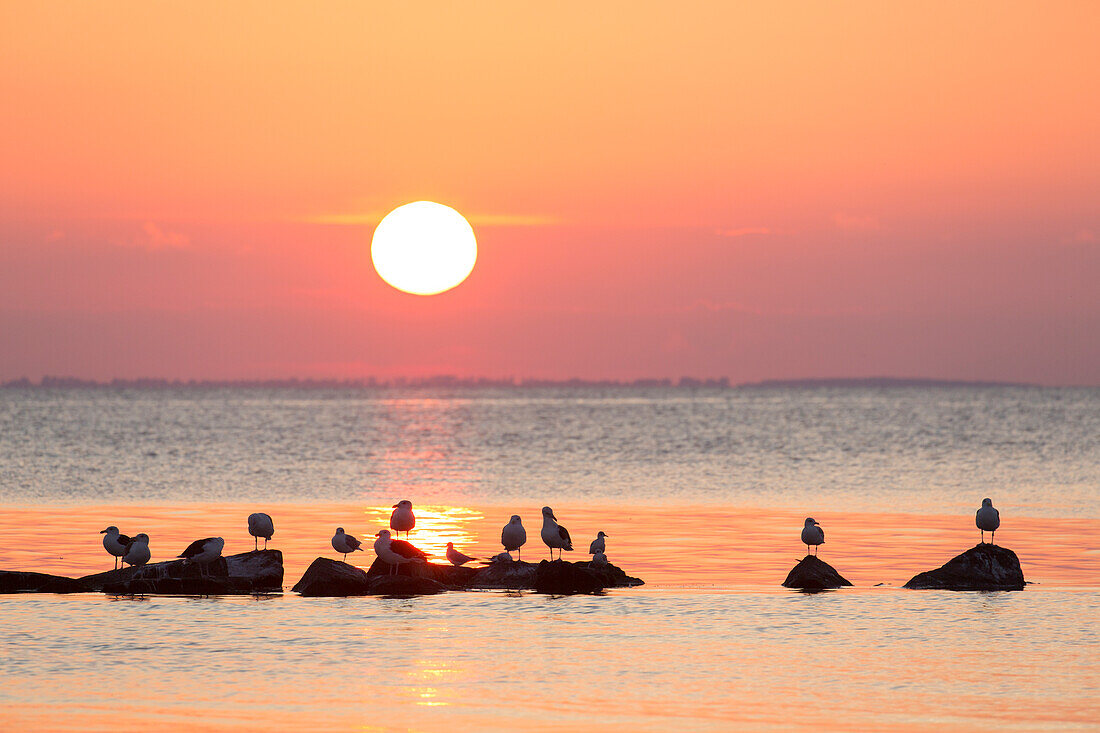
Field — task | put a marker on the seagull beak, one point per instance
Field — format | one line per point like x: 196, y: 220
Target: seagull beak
x: 377, y: 534
x: 394, y: 506
x: 103, y: 531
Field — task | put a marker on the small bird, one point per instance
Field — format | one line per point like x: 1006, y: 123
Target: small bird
x: 812, y: 534
x: 137, y: 551
x: 403, y: 519
x: 514, y: 536
x: 345, y: 543
x: 396, y: 552
x: 553, y: 534
x: 987, y: 518
x: 260, y: 525
x: 456, y: 557
x: 203, y: 552
x: 599, y: 559
x: 597, y: 545
x: 115, y: 543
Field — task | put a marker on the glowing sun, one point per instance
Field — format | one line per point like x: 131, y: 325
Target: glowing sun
x: 423, y: 248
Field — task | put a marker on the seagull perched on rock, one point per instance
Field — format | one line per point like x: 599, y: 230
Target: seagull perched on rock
x: 260, y: 525
x: 396, y: 552
x: 115, y: 543
x: 553, y: 534
x: 345, y: 543
x: 812, y: 534
x: 987, y: 518
x: 203, y: 552
x: 456, y: 557
x: 598, y: 545
x: 599, y: 559
x: 514, y: 536
x: 137, y: 551
x: 403, y: 519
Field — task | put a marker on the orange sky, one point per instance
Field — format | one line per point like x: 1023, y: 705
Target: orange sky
x: 784, y: 190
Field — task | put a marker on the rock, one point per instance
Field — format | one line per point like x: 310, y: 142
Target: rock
x: 326, y: 577
x: 559, y: 577
x: 403, y: 585
x: 982, y: 567
x: 507, y: 574
x: 250, y: 572
x: 812, y: 573
x: 15, y: 581
x: 453, y: 578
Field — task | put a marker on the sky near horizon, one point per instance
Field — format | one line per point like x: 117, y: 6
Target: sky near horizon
x: 780, y: 190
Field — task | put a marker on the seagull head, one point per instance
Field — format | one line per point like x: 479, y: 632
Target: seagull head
x: 602, y: 534
x: 403, y: 504
x: 142, y: 537
x: 515, y: 519
x: 548, y: 512
x: 339, y: 530
x: 384, y: 534
x: 985, y: 502
x: 810, y: 521
x: 450, y: 545
x: 110, y: 530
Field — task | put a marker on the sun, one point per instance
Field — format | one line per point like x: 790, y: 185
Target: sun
x: 424, y: 248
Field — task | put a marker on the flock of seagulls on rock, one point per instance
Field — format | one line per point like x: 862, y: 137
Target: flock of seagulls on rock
x: 134, y: 551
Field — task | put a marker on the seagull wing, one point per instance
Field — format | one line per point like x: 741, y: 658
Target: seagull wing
x: 464, y: 558
x: 351, y: 542
x: 564, y: 534
x: 124, y: 540
x: 405, y: 549
x: 195, y: 548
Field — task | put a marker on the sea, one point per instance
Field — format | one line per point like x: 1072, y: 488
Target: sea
x: 702, y: 492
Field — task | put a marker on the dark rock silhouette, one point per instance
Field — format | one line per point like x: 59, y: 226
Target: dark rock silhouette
x: 813, y: 573
x: 403, y: 585
x: 449, y: 576
x: 15, y: 581
x: 982, y: 567
x: 559, y: 577
x: 327, y: 577
x: 505, y: 574
x: 250, y: 572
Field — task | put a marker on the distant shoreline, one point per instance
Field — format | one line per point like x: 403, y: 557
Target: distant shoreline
x: 451, y: 382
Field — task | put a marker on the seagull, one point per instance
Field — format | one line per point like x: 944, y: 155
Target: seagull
x: 403, y: 519
x: 598, y: 558
x: 456, y: 557
x: 987, y: 518
x: 514, y: 536
x: 345, y: 543
x: 812, y: 534
x: 260, y: 525
x: 597, y: 544
x: 115, y: 543
x: 396, y: 552
x: 553, y: 534
x: 203, y: 552
x: 137, y: 551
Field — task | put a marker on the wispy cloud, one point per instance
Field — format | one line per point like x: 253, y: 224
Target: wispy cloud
x: 483, y: 220
x: 743, y: 231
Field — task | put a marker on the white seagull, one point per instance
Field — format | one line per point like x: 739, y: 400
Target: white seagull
x: 137, y: 552
x: 812, y: 534
x: 115, y: 543
x: 553, y: 534
x: 260, y: 525
x: 396, y: 552
x: 456, y: 557
x: 203, y: 552
x: 598, y: 545
x: 345, y: 543
x: 987, y: 518
x: 403, y: 519
x: 514, y: 536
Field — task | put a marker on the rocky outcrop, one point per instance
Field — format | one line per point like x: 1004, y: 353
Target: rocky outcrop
x: 259, y: 571
x: 982, y: 567
x: 448, y: 576
x: 327, y: 577
x: 505, y: 574
x: 812, y: 573
x: 15, y: 581
x: 559, y: 577
x: 403, y: 585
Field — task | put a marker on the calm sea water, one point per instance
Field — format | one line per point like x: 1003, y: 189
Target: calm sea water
x: 701, y: 492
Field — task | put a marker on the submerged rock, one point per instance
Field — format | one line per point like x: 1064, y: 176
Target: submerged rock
x: 15, y: 581
x: 250, y: 572
x: 812, y: 573
x: 982, y: 567
x: 327, y: 577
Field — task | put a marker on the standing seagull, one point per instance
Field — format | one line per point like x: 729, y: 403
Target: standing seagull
x: 203, y: 552
x: 456, y: 557
x: 812, y: 534
x: 599, y: 559
x: 403, y: 519
x: 115, y: 543
x: 987, y: 518
x: 345, y: 543
x: 514, y: 536
x: 553, y: 534
x: 137, y: 551
x: 396, y: 552
x: 260, y: 525
x: 598, y: 545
